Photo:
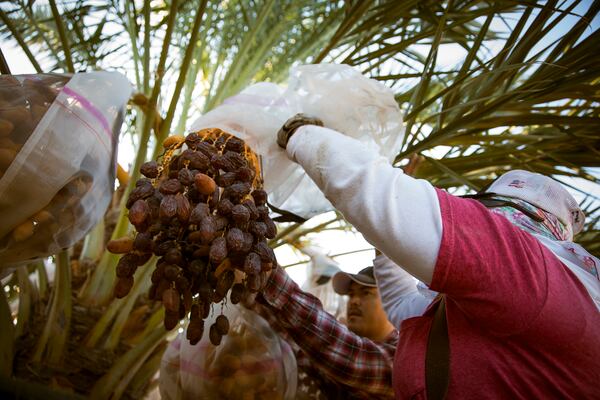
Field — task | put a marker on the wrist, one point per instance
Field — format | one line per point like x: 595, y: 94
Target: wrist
x: 292, y: 124
x: 278, y: 289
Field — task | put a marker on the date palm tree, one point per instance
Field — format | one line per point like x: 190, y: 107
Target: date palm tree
x: 520, y: 91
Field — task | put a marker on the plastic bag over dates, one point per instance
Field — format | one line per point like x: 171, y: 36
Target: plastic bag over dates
x: 251, y: 362
x: 58, y: 135
x: 339, y: 95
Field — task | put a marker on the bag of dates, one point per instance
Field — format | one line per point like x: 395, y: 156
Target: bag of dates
x: 252, y: 362
x: 58, y: 137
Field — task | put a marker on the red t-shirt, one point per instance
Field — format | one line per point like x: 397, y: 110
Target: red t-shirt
x: 520, y: 324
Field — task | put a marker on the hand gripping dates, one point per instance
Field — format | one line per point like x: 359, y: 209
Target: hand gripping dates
x: 203, y: 212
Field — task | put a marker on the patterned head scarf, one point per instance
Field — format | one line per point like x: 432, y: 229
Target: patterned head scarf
x: 543, y: 207
x: 546, y: 225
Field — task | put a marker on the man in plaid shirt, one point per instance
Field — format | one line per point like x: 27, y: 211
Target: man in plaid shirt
x: 353, y: 363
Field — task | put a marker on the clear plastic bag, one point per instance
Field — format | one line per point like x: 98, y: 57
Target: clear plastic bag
x: 337, y: 94
x: 57, y: 181
x: 319, y: 272
x: 252, y: 362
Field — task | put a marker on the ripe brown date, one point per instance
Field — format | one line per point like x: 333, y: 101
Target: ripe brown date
x: 173, y: 256
x: 271, y: 228
x: 235, y: 144
x: 170, y: 186
x: 235, y: 239
x: 171, y: 320
x: 207, y: 149
x: 120, y: 246
x: 260, y: 197
x: 225, y: 207
x: 194, y: 331
x: 224, y: 283
x: 194, y: 160
x: 218, y: 250
x: 142, y: 191
x: 149, y: 169
x: 265, y: 252
x: 237, y: 293
x: 198, y: 213
x: 214, y: 335
x: 168, y: 207
x: 222, y: 324
x: 245, y: 174
x: 207, y: 229
x: 237, y: 191
x: 204, y: 183
x: 185, y: 176
x: 170, y: 299
x: 192, y: 141
x: 123, y: 286
x: 125, y: 268
x: 226, y: 179
x: 143, y: 242
x: 183, y: 207
x: 258, y: 229
x: 240, y: 214
x: 138, y: 213
x: 252, y: 264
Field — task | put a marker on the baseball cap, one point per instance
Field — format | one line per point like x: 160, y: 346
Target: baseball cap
x: 342, y: 280
x: 542, y: 192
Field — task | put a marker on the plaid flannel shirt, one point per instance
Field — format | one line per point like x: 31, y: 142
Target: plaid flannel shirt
x: 358, y: 364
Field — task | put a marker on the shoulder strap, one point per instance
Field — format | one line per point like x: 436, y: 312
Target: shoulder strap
x: 437, y: 359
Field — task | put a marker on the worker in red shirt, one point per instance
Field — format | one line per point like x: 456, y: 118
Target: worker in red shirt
x: 518, y: 300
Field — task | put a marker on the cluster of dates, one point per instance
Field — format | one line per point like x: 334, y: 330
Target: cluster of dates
x: 204, y: 214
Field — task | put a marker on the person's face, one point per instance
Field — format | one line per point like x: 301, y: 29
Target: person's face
x: 366, y: 316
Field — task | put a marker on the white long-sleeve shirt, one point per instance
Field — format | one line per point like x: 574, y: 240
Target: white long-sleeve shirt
x: 401, y: 295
